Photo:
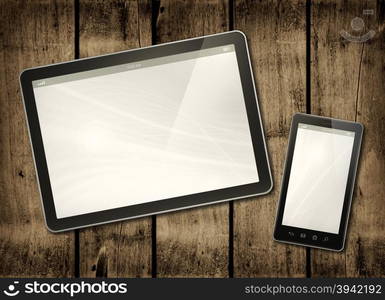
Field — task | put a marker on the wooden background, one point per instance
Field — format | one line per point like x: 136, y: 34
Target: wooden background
x: 300, y: 62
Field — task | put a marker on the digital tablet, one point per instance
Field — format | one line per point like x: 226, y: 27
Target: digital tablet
x: 318, y: 182
x: 146, y: 131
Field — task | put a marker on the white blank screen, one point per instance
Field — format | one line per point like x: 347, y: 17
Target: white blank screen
x: 318, y: 178
x: 154, y: 131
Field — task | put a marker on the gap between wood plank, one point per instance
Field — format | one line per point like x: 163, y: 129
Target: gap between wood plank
x: 77, y: 55
x: 231, y: 203
x: 308, y: 100
x: 154, y: 19
x: 358, y: 81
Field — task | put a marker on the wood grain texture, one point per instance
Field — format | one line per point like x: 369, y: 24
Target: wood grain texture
x: 348, y: 82
x: 32, y: 33
x: 121, y: 249
x: 192, y: 243
x: 276, y: 33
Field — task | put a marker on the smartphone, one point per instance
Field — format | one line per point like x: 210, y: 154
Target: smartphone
x: 318, y: 182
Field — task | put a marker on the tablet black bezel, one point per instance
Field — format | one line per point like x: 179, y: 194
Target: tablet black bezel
x: 236, y: 38
x: 296, y: 235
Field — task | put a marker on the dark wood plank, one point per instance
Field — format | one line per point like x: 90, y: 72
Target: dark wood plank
x: 192, y: 243
x: 276, y: 32
x: 31, y: 34
x: 348, y: 82
x: 124, y: 248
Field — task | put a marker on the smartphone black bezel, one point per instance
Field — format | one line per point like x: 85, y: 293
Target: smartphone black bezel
x: 308, y: 237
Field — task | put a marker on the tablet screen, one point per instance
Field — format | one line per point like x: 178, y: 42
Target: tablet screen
x: 145, y: 131
x: 318, y: 178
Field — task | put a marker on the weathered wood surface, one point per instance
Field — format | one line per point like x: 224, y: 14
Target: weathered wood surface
x: 192, y: 243
x: 277, y: 41
x: 124, y: 248
x: 31, y: 34
x: 348, y: 82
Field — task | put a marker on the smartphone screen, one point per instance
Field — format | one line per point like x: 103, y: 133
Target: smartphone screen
x: 318, y: 178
